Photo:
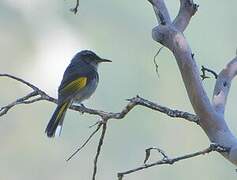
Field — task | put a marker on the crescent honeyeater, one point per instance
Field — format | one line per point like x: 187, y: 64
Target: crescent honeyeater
x: 79, y: 82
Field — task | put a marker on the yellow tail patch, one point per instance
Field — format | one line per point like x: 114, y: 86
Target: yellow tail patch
x: 62, y: 109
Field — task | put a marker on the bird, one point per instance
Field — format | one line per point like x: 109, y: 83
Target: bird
x: 79, y: 82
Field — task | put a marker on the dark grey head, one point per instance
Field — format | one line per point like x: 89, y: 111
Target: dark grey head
x: 88, y: 57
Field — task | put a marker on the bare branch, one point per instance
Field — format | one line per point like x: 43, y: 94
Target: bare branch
x: 41, y: 95
x: 155, y: 60
x: 173, y: 39
x: 167, y: 160
x: 22, y: 81
x: 211, y: 116
x: 86, y: 142
x: 204, y: 70
x: 187, y: 9
x: 23, y: 100
x: 170, y: 112
x: 161, y: 11
x: 223, y: 84
x: 148, y: 153
x: 75, y: 9
x: 104, y: 115
x: 104, y: 127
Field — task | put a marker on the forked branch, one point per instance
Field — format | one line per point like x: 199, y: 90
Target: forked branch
x: 75, y: 9
x: 39, y: 95
x: 210, y: 116
x: 171, y: 35
x: 167, y: 160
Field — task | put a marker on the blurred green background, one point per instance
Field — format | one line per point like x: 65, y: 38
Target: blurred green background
x: 38, y: 39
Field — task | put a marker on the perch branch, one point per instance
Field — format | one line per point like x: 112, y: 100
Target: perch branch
x: 209, y: 116
x: 167, y: 160
x: 104, y: 115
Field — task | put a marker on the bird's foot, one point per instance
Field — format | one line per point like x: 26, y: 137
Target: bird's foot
x: 83, y: 107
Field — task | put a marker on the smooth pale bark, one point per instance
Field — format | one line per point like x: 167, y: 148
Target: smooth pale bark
x: 211, y: 114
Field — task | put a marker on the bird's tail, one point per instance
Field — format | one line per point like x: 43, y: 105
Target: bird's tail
x: 55, y: 124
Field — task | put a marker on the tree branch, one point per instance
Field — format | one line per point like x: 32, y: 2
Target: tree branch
x: 86, y: 142
x: 223, y: 84
x: 209, y: 116
x: 187, y: 9
x: 104, y: 128
x: 167, y: 160
x: 75, y: 9
x: 204, y: 70
x: 155, y: 61
x: 170, y: 112
x: 39, y: 95
x: 161, y: 11
x: 211, y: 121
x: 104, y: 115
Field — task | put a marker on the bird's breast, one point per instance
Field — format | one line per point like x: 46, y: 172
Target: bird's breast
x: 86, y: 92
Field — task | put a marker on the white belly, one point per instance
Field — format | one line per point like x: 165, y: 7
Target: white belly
x: 86, y: 92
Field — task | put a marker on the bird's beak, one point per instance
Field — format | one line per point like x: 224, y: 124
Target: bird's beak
x: 104, y: 60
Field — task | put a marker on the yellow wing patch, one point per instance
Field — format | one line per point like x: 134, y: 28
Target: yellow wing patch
x: 76, y: 84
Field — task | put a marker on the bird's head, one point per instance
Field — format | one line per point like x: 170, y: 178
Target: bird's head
x: 89, y: 57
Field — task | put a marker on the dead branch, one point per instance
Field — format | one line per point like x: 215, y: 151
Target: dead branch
x: 223, y: 84
x: 210, y: 116
x: 171, y: 35
x: 155, y: 60
x: 104, y: 115
x: 170, y: 161
x: 148, y: 153
x: 104, y: 128
x: 75, y: 9
x: 86, y: 142
x: 204, y: 70
x: 39, y: 95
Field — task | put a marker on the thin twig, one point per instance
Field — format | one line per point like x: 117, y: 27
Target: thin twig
x: 22, y: 100
x: 75, y: 9
x: 104, y: 127
x: 85, y: 143
x: 167, y: 160
x: 148, y: 153
x: 155, y: 62
x: 21, y: 80
x: 204, y: 70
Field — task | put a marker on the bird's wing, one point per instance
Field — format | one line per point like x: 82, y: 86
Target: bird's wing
x: 74, y: 80
x: 75, y: 85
